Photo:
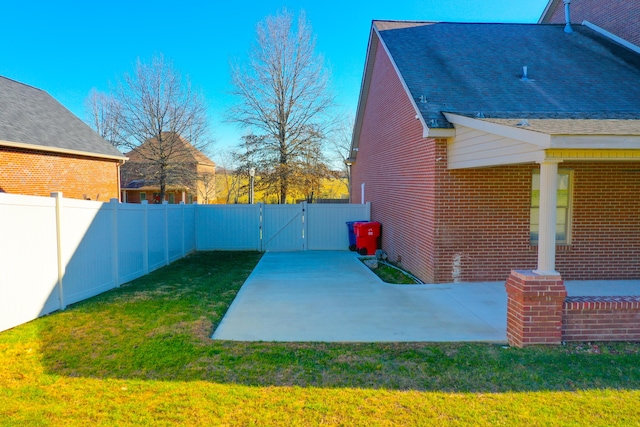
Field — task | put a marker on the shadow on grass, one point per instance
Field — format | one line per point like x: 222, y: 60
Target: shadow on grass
x: 159, y: 326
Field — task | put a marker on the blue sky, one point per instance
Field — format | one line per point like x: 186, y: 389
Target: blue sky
x: 69, y: 47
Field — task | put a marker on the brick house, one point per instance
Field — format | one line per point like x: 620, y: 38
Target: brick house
x: 44, y: 148
x: 486, y: 148
x: 192, y: 177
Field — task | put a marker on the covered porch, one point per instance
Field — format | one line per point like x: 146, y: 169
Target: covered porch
x: 538, y: 304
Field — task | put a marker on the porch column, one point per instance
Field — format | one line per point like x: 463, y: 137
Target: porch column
x: 548, y: 205
x: 184, y: 197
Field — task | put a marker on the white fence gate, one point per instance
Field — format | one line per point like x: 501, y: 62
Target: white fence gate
x: 277, y: 227
x: 56, y: 251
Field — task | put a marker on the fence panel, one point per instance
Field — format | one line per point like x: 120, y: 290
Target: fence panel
x: 87, y: 249
x: 102, y: 245
x: 326, y: 225
x: 282, y: 227
x: 131, y: 242
x: 28, y: 260
x: 228, y: 227
x: 175, y: 233
x: 189, y: 228
x: 157, y: 235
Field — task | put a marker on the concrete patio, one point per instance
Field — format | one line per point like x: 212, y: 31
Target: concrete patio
x: 331, y: 296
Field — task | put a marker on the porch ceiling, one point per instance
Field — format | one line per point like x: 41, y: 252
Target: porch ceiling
x: 481, y: 142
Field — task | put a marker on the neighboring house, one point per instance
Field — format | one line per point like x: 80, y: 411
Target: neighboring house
x: 191, y: 177
x: 491, y: 147
x: 44, y: 148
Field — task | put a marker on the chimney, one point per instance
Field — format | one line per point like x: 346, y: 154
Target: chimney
x: 567, y: 17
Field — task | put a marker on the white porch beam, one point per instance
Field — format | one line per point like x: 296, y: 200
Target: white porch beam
x: 548, y: 205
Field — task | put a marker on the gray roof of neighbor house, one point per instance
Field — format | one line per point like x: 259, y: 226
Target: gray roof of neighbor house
x: 476, y: 70
x: 31, y: 118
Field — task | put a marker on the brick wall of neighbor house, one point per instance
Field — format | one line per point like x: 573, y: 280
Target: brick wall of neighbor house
x: 40, y: 173
x: 396, y: 164
x: 621, y: 18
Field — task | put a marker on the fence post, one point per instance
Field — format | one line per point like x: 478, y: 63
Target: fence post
x: 196, y: 224
x: 305, y: 228
x: 61, y: 266
x: 145, y: 237
x: 182, y: 214
x: 114, y: 206
x: 166, y: 232
x: 261, y: 226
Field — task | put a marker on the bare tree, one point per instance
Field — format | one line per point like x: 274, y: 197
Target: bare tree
x: 283, y: 95
x: 161, y: 119
x: 206, y: 187
x: 340, y: 147
x: 103, y: 111
x: 227, y: 178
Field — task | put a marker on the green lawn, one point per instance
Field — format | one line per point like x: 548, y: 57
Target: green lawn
x: 141, y: 355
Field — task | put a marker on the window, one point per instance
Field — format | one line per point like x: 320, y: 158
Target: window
x: 190, y: 199
x: 143, y: 196
x: 563, y: 209
x: 172, y: 198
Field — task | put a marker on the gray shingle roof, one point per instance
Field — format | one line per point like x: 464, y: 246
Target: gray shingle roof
x: 477, y: 68
x: 31, y: 116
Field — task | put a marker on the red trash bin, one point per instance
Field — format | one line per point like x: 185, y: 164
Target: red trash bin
x: 367, y: 236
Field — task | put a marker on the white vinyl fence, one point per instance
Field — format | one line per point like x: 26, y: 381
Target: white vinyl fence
x: 56, y: 251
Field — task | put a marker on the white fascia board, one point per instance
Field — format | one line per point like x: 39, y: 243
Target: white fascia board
x: 612, y: 36
x: 605, y: 142
x: 426, y: 132
x: 440, y: 133
x: 61, y: 150
x: 542, y: 140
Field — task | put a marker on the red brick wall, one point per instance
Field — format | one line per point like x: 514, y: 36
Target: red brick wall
x: 621, y: 18
x: 396, y: 164
x: 483, y: 222
x: 41, y: 173
x: 534, y: 308
x: 606, y: 222
x: 601, y: 319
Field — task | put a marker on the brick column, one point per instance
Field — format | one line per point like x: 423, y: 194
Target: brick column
x: 534, y: 308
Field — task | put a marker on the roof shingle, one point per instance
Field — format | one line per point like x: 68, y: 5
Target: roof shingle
x: 31, y: 116
x: 477, y: 68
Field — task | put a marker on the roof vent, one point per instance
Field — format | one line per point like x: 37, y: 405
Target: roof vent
x: 423, y: 99
x: 480, y: 115
x: 567, y: 17
x: 525, y: 74
x: 523, y: 123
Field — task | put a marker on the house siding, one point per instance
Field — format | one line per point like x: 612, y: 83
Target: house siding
x: 621, y: 18
x: 40, y: 173
x: 396, y: 164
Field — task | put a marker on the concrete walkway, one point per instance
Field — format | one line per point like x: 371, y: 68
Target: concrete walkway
x: 333, y: 297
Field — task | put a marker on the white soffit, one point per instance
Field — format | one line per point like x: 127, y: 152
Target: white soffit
x: 535, y: 138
